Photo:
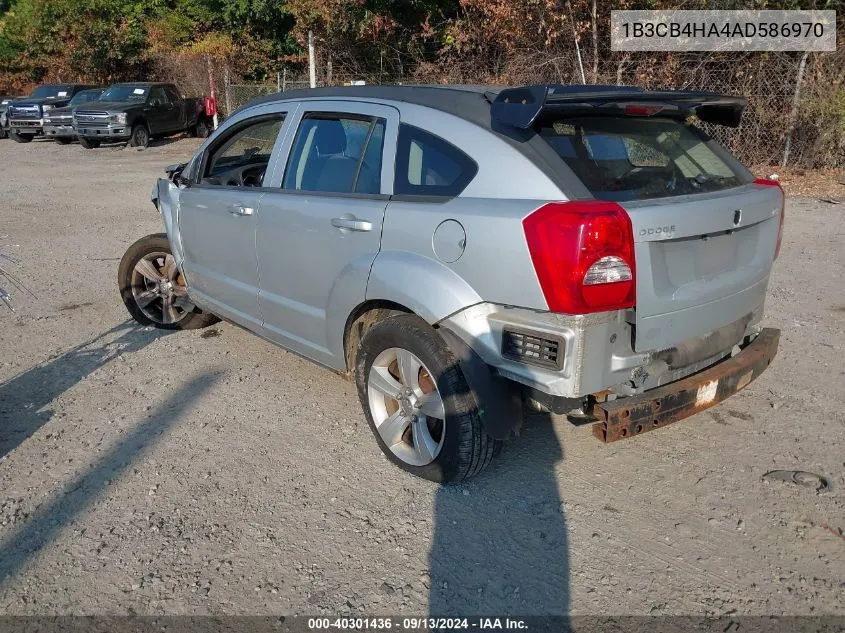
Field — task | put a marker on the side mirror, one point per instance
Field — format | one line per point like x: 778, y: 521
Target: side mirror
x: 174, y: 173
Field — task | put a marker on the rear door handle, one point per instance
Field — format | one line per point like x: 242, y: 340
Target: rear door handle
x: 351, y: 223
x: 237, y: 209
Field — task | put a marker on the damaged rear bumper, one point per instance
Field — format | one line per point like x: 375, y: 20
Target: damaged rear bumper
x: 626, y: 417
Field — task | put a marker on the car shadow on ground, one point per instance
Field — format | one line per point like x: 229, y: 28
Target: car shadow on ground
x: 500, y: 543
x: 25, y: 399
x: 38, y: 530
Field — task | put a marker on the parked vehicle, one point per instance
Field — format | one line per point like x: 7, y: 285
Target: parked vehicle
x: 138, y: 112
x: 4, y: 121
x: 462, y: 251
x: 58, y: 122
x: 26, y: 116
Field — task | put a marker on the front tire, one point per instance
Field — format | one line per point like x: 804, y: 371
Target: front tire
x: 88, y: 143
x: 418, y: 404
x: 154, y: 290
x: 21, y: 138
x: 140, y: 136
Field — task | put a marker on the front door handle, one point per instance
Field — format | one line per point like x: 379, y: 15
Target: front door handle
x: 351, y: 223
x: 237, y: 209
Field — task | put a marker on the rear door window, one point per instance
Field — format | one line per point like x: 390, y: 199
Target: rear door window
x: 634, y: 159
x: 336, y: 153
x: 427, y: 165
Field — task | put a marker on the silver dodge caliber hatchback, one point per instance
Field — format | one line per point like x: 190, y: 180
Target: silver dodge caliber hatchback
x: 466, y: 251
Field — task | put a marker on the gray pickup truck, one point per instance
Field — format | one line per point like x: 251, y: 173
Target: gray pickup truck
x: 58, y: 122
x: 465, y: 251
x: 138, y: 112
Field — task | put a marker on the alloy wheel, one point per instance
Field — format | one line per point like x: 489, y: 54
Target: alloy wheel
x: 159, y: 289
x: 406, y: 406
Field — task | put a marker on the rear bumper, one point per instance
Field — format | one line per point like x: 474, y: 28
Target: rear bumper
x: 626, y: 417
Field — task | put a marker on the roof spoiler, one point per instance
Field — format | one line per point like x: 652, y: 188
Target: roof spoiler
x: 520, y: 107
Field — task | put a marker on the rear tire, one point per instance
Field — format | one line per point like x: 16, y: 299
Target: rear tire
x: 88, y: 143
x: 201, y: 129
x: 21, y: 138
x: 140, y: 136
x: 63, y: 140
x: 154, y: 290
x: 458, y: 443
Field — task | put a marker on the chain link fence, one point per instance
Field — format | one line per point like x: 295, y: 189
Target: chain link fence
x: 783, y: 99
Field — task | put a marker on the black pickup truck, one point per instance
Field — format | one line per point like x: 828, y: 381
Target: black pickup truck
x: 26, y: 116
x: 137, y: 112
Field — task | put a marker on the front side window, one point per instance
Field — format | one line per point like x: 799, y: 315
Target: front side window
x: 158, y: 97
x: 427, y: 165
x: 621, y: 159
x: 241, y: 158
x: 336, y: 153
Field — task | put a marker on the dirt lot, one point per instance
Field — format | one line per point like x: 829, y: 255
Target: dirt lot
x: 211, y: 473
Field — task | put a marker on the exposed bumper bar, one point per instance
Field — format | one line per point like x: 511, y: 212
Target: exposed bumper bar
x: 626, y: 417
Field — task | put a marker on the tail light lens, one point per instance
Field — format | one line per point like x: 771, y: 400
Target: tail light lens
x: 774, y: 183
x: 583, y: 254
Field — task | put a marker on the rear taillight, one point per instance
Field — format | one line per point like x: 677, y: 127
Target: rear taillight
x: 774, y: 183
x: 583, y: 254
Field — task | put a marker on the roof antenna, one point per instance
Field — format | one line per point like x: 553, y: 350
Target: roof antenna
x: 577, y: 47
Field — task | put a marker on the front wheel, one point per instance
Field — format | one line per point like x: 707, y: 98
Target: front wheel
x: 88, y: 143
x: 21, y: 138
x: 154, y: 290
x: 418, y: 404
x: 140, y: 136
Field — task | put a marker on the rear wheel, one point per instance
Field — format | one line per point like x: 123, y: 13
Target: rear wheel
x: 88, y: 143
x: 154, y: 290
x: 21, y: 138
x: 418, y: 404
x: 140, y: 136
x: 201, y: 129
x: 63, y: 140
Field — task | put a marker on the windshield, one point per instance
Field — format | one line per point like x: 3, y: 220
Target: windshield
x: 85, y: 96
x: 48, y: 92
x: 626, y: 158
x: 125, y: 93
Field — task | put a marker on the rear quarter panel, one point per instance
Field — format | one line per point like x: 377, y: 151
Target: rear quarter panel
x: 495, y: 264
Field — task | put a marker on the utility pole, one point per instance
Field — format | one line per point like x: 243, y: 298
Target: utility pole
x: 312, y: 62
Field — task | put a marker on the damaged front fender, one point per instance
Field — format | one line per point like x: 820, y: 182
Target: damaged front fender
x: 165, y: 197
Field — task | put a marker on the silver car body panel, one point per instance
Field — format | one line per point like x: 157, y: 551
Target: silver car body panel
x: 290, y: 276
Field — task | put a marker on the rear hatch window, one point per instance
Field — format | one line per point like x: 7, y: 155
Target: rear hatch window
x: 628, y: 158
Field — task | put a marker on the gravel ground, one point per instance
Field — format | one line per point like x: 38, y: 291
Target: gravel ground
x: 209, y: 472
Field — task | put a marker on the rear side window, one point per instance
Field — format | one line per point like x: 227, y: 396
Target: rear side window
x: 624, y: 158
x: 336, y: 153
x: 426, y: 165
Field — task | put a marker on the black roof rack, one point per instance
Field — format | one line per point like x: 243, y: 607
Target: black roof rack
x: 520, y: 107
